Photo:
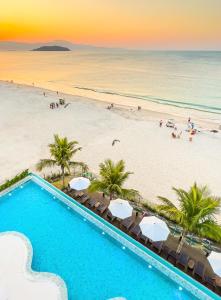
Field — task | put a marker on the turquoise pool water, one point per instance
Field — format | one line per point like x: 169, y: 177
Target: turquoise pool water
x: 92, y: 264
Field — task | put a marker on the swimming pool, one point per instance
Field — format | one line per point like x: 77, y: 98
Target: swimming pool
x: 92, y: 257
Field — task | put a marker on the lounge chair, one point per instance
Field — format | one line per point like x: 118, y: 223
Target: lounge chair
x: 172, y: 256
x: 79, y: 194
x: 165, y: 251
x: 183, y: 260
x: 110, y: 216
x: 136, y: 231
x: 199, y: 270
x: 210, y: 282
x: 101, y: 208
x: 157, y: 246
x: 83, y: 199
x: 144, y: 239
x: 127, y: 223
x: 72, y: 193
x: 92, y: 202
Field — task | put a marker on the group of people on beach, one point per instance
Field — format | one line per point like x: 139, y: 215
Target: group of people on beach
x: 54, y: 105
x: 175, y: 135
x: 110, y: 106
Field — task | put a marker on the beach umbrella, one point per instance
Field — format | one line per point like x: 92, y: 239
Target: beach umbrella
x: 79, y: 183
x: 120, y: 208
x: 154, y: 228
x: 215, y: 261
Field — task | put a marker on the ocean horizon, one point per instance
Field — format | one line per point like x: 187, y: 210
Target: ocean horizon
x: 188, y: 79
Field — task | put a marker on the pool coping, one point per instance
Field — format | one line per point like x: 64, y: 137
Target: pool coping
x: 32, y: 275
x: 176, y: 275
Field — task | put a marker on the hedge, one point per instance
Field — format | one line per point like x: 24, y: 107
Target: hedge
x: 12, y: 181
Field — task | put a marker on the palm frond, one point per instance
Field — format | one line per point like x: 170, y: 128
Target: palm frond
x: 45, y: 163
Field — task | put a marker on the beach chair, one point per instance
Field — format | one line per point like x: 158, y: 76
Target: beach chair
x: 127, y: 223
x: 83, y: 199
x: 92, y: 202
x: 101, y: 208
x: 157, y: 246
x: 165, y: 251
x: 72, y: 193
x: 182, y: 260
x: 110, y: 217
x: 210, y: 282
x: 199, y: 270
x: 136, y: 231
x: 172, y: 256
x: 143, y: 239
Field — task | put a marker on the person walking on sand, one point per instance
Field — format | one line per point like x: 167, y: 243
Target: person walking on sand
x: 173, y: 135
x: 179, y: 135
x: 161, y: 123
x: 191, y: 135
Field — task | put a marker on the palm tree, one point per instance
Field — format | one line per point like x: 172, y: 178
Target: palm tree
x: 112, y: 178
x: 196, y: 212
x: 62, y: 152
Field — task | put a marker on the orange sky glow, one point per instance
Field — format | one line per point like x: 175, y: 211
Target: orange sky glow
x: 163, y: 24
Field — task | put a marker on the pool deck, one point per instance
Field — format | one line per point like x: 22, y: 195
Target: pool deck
x: 17, y: 280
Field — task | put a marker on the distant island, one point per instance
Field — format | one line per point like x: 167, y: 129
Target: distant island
x: 51, y: 48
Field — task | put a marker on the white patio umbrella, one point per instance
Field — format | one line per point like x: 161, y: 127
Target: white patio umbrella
x: 154, y: 228
x: 215, y: 261
x: 120, y: 208
x: 79, y: 183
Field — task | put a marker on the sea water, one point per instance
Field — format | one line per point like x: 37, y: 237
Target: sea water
x: 189, y: 79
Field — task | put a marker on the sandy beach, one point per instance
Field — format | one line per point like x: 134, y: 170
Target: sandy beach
x: 159, y: 162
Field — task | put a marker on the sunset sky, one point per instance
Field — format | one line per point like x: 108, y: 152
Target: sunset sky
x: 151, y: 24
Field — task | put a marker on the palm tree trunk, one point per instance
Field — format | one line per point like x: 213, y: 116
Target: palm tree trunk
x: 62, y: 174
x: 181, y: 243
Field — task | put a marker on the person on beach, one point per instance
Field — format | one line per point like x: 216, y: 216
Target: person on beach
x: 110, y: 106
x: 192, y: 132
x: 161, y: 123
x: 44, y: 94
x: 173, y: 135
x: 179, y: 135
x: 139, y: 108
x: 189, y: 120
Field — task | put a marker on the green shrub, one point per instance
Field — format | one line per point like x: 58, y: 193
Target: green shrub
x: 12, y: 181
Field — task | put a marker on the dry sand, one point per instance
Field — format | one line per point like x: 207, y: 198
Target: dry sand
x: 159, y: 162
